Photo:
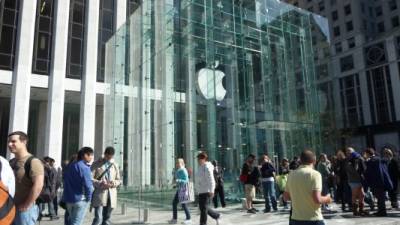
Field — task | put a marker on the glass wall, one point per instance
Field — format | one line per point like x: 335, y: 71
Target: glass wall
x: 214, y: 76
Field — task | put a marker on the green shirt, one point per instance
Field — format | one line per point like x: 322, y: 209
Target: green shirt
x: 300, y: 185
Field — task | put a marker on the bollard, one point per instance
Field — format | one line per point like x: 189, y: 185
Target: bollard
x: 146, y: 215
x: 123, y: 209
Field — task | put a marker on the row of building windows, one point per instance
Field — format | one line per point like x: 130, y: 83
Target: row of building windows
x: 43, y: 36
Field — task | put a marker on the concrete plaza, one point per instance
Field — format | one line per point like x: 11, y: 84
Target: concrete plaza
x: 234, y: 214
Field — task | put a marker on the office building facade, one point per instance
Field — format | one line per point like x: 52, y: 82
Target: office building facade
x: 364, y: 69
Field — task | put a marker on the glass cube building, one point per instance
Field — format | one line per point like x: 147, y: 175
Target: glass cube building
x: 229, y: 77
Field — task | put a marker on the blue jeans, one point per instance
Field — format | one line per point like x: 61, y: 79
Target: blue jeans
x: 28, y: 217
x: 298, y: 222
x: 76, y: 212
x: 102, y: 214
x: 269, y: 195
x: 175, y: 208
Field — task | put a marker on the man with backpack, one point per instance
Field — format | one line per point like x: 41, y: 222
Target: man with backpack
x: 7, y: 191
x: 249, y: 176
x: 49, y: 191
x: 29, y: 178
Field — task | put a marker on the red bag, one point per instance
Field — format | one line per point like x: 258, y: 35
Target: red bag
x: 243, y: 178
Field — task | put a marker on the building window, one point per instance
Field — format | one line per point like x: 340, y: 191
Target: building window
x: 375, y: 54
x: 380, y: 95
x: 321, y: 6
x: 76, y: 38
x: 381, y: 27
x: 335, y: 15
x: 338, y: 47
x: 378, y: 11
x: 392, y: 5
x: 362, y: 7
x: 336, y: 31
x: 333, y: 2
x: 351, y: 101
x: 395, y: 21
x: 43, y: 37
x: 8, y: 32
x: 106, y: 30
x: 347, y: 10
x: 346, y: 63
x: 349, y: 26
x: 351, y: 43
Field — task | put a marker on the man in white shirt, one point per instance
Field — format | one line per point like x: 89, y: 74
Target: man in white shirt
x: 7, y: 176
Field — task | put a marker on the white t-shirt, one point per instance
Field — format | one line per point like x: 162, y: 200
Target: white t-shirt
x: 7, y: 176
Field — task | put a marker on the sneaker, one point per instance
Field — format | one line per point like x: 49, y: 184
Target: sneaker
x: 255, y: 209
x: 266, y: 210
x: 251, y: 211
x: 54, y: 217
x: 173, y: 221
x: 380, y: 214
x: 187, y: 222
x: 218, y: 221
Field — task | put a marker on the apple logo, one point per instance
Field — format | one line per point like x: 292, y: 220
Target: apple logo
x: 209, y: 83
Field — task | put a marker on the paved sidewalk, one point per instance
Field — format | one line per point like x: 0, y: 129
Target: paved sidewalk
x: 236, y: 215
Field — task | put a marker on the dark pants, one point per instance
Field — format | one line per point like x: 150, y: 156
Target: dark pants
x: 219, y: 191
x: 344, y: 193
x: 55, y: 205
x: 175, y: 208
x: 50, y: 206
x: 298, y: 222
x: 204, y: 202
x: 393, y: 197
x: 102, y: 214
x: 380, y: 196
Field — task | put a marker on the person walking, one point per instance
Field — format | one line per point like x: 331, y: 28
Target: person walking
x: 304, y: 188
x: 268, y: 183
x: 106, y: 179
x: 355, y: 168
x: 29, y: 178
x: 219, y: 185
x: 49, y: 191
x: 343, y: 188
x: 394, y: 173
x: 181, y: 194
x: 78, y: 186
x: 377, y: 177
x: 249, y: 176
x: 325, y: 169
x: 205, y: 186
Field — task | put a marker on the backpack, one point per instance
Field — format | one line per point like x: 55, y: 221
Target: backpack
x: 49, y: 183
x: 7, y: 206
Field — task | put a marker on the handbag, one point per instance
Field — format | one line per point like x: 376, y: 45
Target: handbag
x: 186, y: 193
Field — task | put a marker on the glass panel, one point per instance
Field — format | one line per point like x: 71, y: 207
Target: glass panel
x: 218, y: 76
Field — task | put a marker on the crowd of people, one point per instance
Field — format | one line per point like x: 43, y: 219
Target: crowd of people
x: 28, y: 185
x: 352, y: 179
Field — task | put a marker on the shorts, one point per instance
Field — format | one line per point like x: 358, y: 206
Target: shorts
x: 250, y: 191
x: 354, y: 185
